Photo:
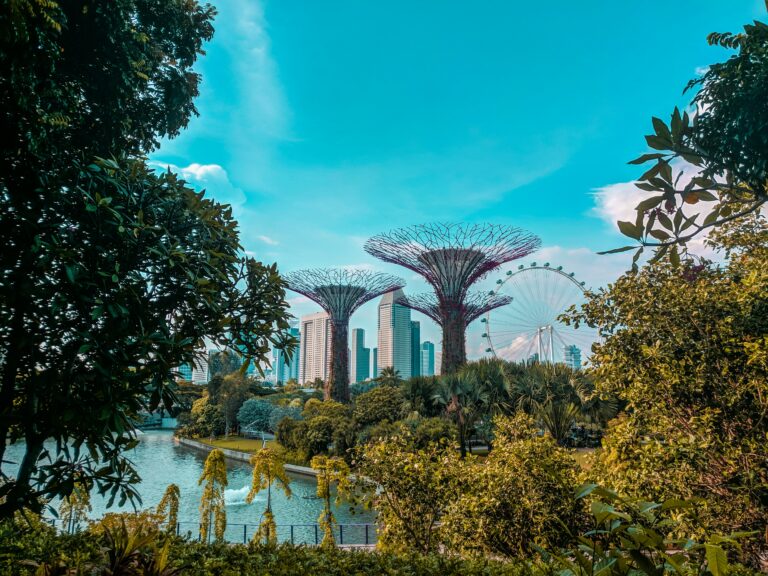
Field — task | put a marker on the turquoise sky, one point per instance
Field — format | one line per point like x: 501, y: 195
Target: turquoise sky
x: 326, y: 122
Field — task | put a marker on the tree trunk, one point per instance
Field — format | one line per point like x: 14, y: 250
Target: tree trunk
x: 454, y: 342
x: 337, y: 385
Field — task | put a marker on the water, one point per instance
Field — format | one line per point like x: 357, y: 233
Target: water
x: 160, y: 462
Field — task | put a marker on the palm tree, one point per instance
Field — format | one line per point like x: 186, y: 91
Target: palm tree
x: 463, y: 402
x: 389, y: 377
x: 419, y: 391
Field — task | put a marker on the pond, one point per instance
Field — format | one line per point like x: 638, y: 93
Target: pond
x: 159, y: 462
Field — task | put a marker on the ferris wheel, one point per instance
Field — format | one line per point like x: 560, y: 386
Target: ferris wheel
x: 528, y: 327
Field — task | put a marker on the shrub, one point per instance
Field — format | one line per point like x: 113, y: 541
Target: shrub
x: 330, y: 409
x: 381, y: 403
x: 410, y: 489
x: 429, y: 430
x: 520, y: 498
x: 281, y: 412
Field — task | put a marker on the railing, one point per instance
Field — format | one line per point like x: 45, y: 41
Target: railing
x: 309, y: 534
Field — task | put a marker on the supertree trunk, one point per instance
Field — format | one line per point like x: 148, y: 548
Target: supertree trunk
x: 337, y: 385
x: 454, y: 342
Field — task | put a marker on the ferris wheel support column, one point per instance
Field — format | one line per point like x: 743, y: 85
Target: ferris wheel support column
x: 551, y: 345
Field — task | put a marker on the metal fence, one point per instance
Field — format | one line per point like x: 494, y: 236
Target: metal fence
x: 309, y: 534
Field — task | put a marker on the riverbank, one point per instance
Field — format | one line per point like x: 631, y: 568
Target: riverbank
x: 239, y: 456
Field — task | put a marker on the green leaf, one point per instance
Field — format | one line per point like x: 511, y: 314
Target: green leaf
x: 617, y: 250
x: 646, y: 157
x: 629, y: 229
x: 649, y: 203
x: 717, y: 560
x: 661, y: 129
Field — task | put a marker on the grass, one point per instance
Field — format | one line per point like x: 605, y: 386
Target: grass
x: 239, y: 443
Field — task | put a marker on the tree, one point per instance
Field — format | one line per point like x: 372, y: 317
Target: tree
x: 410, y: 489
x: 463, y: 403
x: 685, y: 348
x: 268, y: 467
x: 75, y: 507
x: 331, y: 472
x: 419, y: 392
x: 389, y: 376
x: 255, y: 414
x: 111, y: 275
x: 212, y: 509
x: 381, y: 403
x: 711, y: 167
x: 231, y: 398
x: 519, y: 499
x: 223, y: 363
x: 170, y: 501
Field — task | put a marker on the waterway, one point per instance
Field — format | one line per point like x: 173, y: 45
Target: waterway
x: 160, y: 462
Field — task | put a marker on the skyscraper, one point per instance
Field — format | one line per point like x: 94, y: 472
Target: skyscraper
x: 315, y: 348
x: 200, y: 371
x: 415, y: 348
x: 283, y: 370
x: 359, y: 358
x: 427, y: 358
x: 185, y: 372
x: 375, y: 371
x: 394, y: 334
x: 572, y: 355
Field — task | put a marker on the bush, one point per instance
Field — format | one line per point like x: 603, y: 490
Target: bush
x: 519, y: 499
x: 429, y: 430
x: 281, y: 412
x: 87, y: 553
x: 255, y: 414
x: 381, y: 403
x: 330, y: 408
x: 289, y: 431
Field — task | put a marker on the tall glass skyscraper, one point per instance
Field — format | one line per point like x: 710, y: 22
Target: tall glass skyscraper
x: 415, y: 348
x: 394, y: 334
x: 359, y: 357
x: 283, y: 370
x: 427, y: 358
x: 375, y: 371
x: 572, y: 355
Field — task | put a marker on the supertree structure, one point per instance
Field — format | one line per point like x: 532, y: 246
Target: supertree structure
x: 451, y: 258
x: 340, y: 292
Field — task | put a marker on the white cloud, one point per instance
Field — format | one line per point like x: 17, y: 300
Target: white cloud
x: 267, y: 240
x: 617, y: 202
x: 209, y: 177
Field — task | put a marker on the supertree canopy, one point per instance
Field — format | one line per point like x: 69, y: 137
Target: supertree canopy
x: 452, y: 257
x: 340, y: 292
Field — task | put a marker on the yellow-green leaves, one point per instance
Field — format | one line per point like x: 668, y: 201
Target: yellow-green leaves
x: 212, y: 511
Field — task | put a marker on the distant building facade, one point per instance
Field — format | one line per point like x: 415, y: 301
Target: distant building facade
x: 315, y: 348
x: 359, y: 357
x: 375, y: 363
x: 415, y: 348
x: 427, y: 356
x: 282, y: 368
x: 572, y: 356
x: 200, y: 371
x: 394, y: 334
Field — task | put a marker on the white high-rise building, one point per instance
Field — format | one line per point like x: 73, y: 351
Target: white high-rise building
x: 394, y: 335
x: 200, y: 371
x: 315, y: 347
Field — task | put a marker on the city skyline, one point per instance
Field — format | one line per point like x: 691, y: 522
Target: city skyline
x: 397, y: 141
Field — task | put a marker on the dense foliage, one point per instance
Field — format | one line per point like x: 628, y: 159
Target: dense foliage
x: 111, y: 275
x: 40, y: 545
x: 710, y: 167
x: 686, y: 348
